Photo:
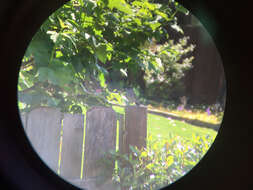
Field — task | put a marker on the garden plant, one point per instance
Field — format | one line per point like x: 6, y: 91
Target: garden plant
x: 161, y: 163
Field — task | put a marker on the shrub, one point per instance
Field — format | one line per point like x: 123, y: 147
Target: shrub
x: 159, y: 164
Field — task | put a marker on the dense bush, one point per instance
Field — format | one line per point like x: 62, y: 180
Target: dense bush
x: 166, y: 82
x: 161, y: 163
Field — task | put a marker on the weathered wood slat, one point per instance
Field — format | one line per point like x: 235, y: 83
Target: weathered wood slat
x: 122, y: 134
x: 90, y: 184
x: 71, y: 154
x: 100, y: 137
x: 43, y: 130
x: 24, y: 119
x: 136, y: 126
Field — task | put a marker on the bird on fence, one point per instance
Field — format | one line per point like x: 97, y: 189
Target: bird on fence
x: 131, y: 96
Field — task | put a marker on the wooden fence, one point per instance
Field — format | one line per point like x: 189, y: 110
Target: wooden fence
x: 60, y: 139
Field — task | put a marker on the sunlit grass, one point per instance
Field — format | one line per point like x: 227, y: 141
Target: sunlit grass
x: 191, y: 114
x: 160, y: 127
x: 202, y: 116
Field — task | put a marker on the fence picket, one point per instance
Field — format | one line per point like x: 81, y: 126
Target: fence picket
x: 100, y: 137
x: 72, y: 146
x: 43, y: 129
x: 136, y: 126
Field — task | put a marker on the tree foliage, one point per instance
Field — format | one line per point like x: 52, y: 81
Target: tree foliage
x: 86, y: 45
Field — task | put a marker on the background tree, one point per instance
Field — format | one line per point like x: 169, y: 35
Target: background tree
x: 87, y: 51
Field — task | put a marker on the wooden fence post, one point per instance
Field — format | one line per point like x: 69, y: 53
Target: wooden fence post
x: 100, y: 137
x: 72, y: 141
x: 43, y: 130
x: 136, y: 126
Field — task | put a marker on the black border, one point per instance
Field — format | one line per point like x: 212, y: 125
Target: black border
x: 227, y: 165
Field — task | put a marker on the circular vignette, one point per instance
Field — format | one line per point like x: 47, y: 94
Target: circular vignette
x: 17, y: 119
x: 206, y: 51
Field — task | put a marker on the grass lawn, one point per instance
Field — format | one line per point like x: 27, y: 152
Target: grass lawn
x: 192, y: 114
x: 160, y: 127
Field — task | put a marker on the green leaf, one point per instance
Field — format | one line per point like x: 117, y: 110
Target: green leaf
x: 154, y: 66
x: 154, y: 25
x: 101, y: 79
x: 144, y: 154
x: 74, y: 23
x: 58, y: 54
x: 169, y: 160
x: 101, y: 53
x: 163, y: 15
x: 149, y: 166
x: 70, y: 38
x: 150, y: 6
x: 120, y: 5
x: 61, y: 23
x: 181, y: 9
x: 62, y: 76
x: 40, y: 47
x: 137, y: 21
x: 89, y: 6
